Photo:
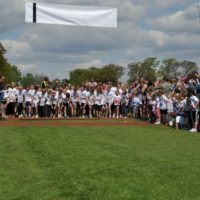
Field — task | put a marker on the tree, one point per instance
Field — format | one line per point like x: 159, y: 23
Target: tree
x: 3, y: 61
x: 111, y: 73
x: 38, y: 78
x: 11, y: 72
x: 187, y: 67
x: 2, y: 50
x: 169, y: 68
x: 77, y: 76
x: 145, y: 69
x: 173, y: 68
x: 107, y: 73
x: 28, y: 80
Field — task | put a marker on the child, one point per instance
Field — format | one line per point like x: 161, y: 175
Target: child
x: 20, y: 101
x: 54, y: 102
x: 35, y: 101
x: 59, y: 99
x: 152, y: 108
x: 194, y: 109
x: 163, y: 100
x: 75, y: 102
x: 98, y: 103
x: 91, y: 102
x: 135, y: 103
x: 124, y: 103
x: 116, y: 104
x: 28, y: 101
x: 12, y: 99
x: 179, y: 109
x: 48, y: 103
x: 108, y: 101
x: 42, y: 103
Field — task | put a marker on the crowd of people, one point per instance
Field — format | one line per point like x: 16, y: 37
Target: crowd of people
x: 167, y: 101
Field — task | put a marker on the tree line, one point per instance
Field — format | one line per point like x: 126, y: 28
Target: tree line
x: 150, y: 68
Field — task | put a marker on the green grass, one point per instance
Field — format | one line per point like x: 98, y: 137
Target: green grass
x: 96, y: 163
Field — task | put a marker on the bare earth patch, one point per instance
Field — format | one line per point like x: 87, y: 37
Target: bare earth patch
x: 71, y: 122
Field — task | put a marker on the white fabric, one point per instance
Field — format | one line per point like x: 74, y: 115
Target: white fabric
x: 71, y: 15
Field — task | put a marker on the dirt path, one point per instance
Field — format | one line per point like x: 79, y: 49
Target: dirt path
x: 71, y: 122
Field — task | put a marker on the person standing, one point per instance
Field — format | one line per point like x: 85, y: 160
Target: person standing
x: 45, y: 83
x: 2, y: 88
x: 12, y: 100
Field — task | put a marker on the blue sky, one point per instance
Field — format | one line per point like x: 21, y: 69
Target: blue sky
x: 163, y: 29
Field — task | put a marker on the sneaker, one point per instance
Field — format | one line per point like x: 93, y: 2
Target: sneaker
x: 157, y: 123
x: 193, y: 130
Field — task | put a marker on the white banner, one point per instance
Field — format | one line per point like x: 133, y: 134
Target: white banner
x: 70, y: 15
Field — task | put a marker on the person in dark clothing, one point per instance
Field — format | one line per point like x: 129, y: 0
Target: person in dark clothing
x: 45, y: 82
x: 2, y: 88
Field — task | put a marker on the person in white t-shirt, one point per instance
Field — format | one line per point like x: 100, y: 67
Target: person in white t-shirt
x: 108, y: 95
x: 135, y: 103
x: 152, y: 107
x: 42, y: 103
x: 192, y: 113
x: 91, y: 102
x: 60, y: 102
x: 98, y: 103
x: 28, y: 101
x: 113, y: 90
x: 163, y: 100
x: 54, y: 103
x: 35, y: 101
x: 20, y: 101
x: 116, y: 104
x: 83, y: 101
x: 66, y: 103
x: 12, y: 99
x: 48, y: 110
x: 75, y: 101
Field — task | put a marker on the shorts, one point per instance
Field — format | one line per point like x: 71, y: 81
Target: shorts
x: 83, y: 104
x: 97, y: 107
x: 28, y: 103
x: 163, y: 112
x: 1, y: 96
x: 114, y: 107
x: 135, y: 109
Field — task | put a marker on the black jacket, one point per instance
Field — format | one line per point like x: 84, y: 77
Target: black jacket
x: 2, y: 86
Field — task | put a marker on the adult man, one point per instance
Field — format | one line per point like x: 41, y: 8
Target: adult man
x: 45, y: 82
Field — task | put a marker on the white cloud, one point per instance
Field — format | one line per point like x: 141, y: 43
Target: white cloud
x: 16, y: 49
x: 181, y: 21
x: 159, y: 38
x: 92, y: 63
x: 27, y: 68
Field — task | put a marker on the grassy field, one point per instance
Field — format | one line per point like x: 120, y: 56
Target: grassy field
x: 93, y: 163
